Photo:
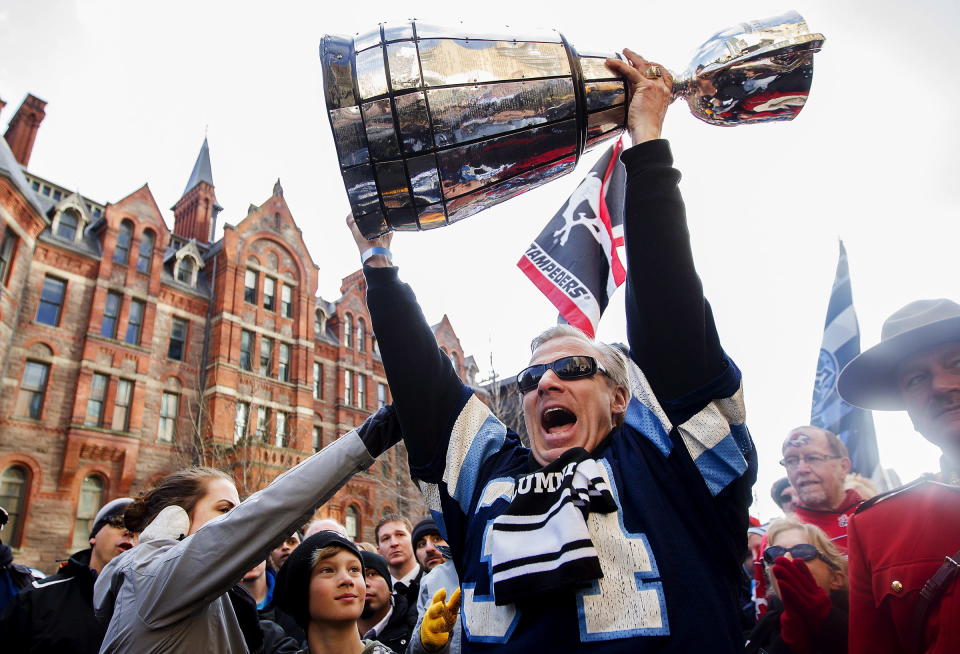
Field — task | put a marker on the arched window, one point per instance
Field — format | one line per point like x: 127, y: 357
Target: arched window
x: 348, y: 330
x: 351, y: 520
x: 121, y: 253
x: 319, y: 323
x: 68, y: 225
x: 145, y: 254
x: 14, y: 483
x: 361, y: 335
x: 187, y: 270
x: 91, y: 498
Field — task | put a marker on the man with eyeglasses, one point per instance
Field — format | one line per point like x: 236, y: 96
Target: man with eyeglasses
x: 817, y: 462
x: 622, y: 528
x: 904, y: 558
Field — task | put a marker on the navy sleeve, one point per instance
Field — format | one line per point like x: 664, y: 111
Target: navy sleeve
x: 427, y: 393
x: 670, y: 325
x: 16, y: 623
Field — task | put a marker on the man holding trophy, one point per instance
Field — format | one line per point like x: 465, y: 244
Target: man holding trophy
x: 622, y: 527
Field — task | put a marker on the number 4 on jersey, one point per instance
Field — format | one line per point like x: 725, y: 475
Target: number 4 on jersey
x: 624, y: 603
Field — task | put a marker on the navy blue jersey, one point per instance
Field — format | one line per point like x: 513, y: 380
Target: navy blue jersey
x: 680, y: 467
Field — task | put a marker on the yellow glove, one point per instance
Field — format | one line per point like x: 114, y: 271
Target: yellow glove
x: 439, y: 620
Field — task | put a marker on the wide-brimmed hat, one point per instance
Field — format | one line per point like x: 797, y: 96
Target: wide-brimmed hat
x: 869, y: 380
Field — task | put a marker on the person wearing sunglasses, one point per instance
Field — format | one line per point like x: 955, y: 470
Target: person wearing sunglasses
x: 808, y: 613
x: 621, y: 528
x: 55, y: 615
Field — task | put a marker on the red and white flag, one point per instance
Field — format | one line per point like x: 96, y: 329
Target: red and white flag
x: 579, y: 269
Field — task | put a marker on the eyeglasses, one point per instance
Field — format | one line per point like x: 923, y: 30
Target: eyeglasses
x: 812, y: 460
x: 572, y: 367
x: 803, y: 551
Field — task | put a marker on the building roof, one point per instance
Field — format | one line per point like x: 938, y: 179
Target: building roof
x: 10, y: 168
x: 202, y: 171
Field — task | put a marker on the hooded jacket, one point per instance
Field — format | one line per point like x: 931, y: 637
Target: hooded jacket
x: 55, y: 614
x: 169, y: 595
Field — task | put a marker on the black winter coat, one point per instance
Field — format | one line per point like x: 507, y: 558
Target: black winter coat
x: 831, y: 638
x: 55, y: 614
x: 396, y: 633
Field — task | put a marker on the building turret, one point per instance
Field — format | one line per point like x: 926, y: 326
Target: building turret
x: 195, y: 213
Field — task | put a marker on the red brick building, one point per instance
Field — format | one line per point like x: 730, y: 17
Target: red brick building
x: 128, y: 350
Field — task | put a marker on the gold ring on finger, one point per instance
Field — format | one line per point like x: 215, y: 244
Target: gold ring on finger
x: 653, y: 72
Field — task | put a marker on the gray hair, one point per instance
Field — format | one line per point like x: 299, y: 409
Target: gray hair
x: 607, y: 355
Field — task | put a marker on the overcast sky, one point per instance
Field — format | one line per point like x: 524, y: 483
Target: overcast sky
x: 132, y: 87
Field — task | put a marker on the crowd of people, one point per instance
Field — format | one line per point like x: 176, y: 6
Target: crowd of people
x: 622, y: 527
x: 316, y: 591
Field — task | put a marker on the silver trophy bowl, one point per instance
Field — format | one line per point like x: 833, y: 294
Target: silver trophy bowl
x: 434, y: 124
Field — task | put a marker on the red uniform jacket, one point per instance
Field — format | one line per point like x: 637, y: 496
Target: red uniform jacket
x: 897, y: 542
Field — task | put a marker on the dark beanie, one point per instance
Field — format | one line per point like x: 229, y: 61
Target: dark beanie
x: 376, y: 562
x: 292, y: 589
x: 424, y: 527
x: 108, y: 512
x: 776, y: 491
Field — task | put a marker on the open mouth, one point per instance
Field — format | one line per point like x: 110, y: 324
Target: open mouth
x: 124, y: 546
x: 556, y: 418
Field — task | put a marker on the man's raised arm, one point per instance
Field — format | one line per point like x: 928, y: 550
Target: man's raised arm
x: 427, y: 393
x: 669, y: 322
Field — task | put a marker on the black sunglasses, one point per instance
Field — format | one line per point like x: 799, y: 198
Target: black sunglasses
x: 572, y: 367
x: 802, y: 551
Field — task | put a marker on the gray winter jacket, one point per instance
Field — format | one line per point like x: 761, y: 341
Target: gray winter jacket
x: 167, y: 595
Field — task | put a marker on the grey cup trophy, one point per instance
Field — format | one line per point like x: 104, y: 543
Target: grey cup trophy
x: 434, y: 124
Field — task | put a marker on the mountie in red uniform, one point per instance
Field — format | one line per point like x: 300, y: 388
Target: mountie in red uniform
x: 897, y: 542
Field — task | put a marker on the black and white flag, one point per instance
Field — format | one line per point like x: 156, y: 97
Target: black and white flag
x: 579, y: 269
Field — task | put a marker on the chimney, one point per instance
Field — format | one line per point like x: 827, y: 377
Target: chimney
x: 22, y: 130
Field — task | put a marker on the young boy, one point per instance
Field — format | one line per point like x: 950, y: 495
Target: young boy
x: 322, y: 587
